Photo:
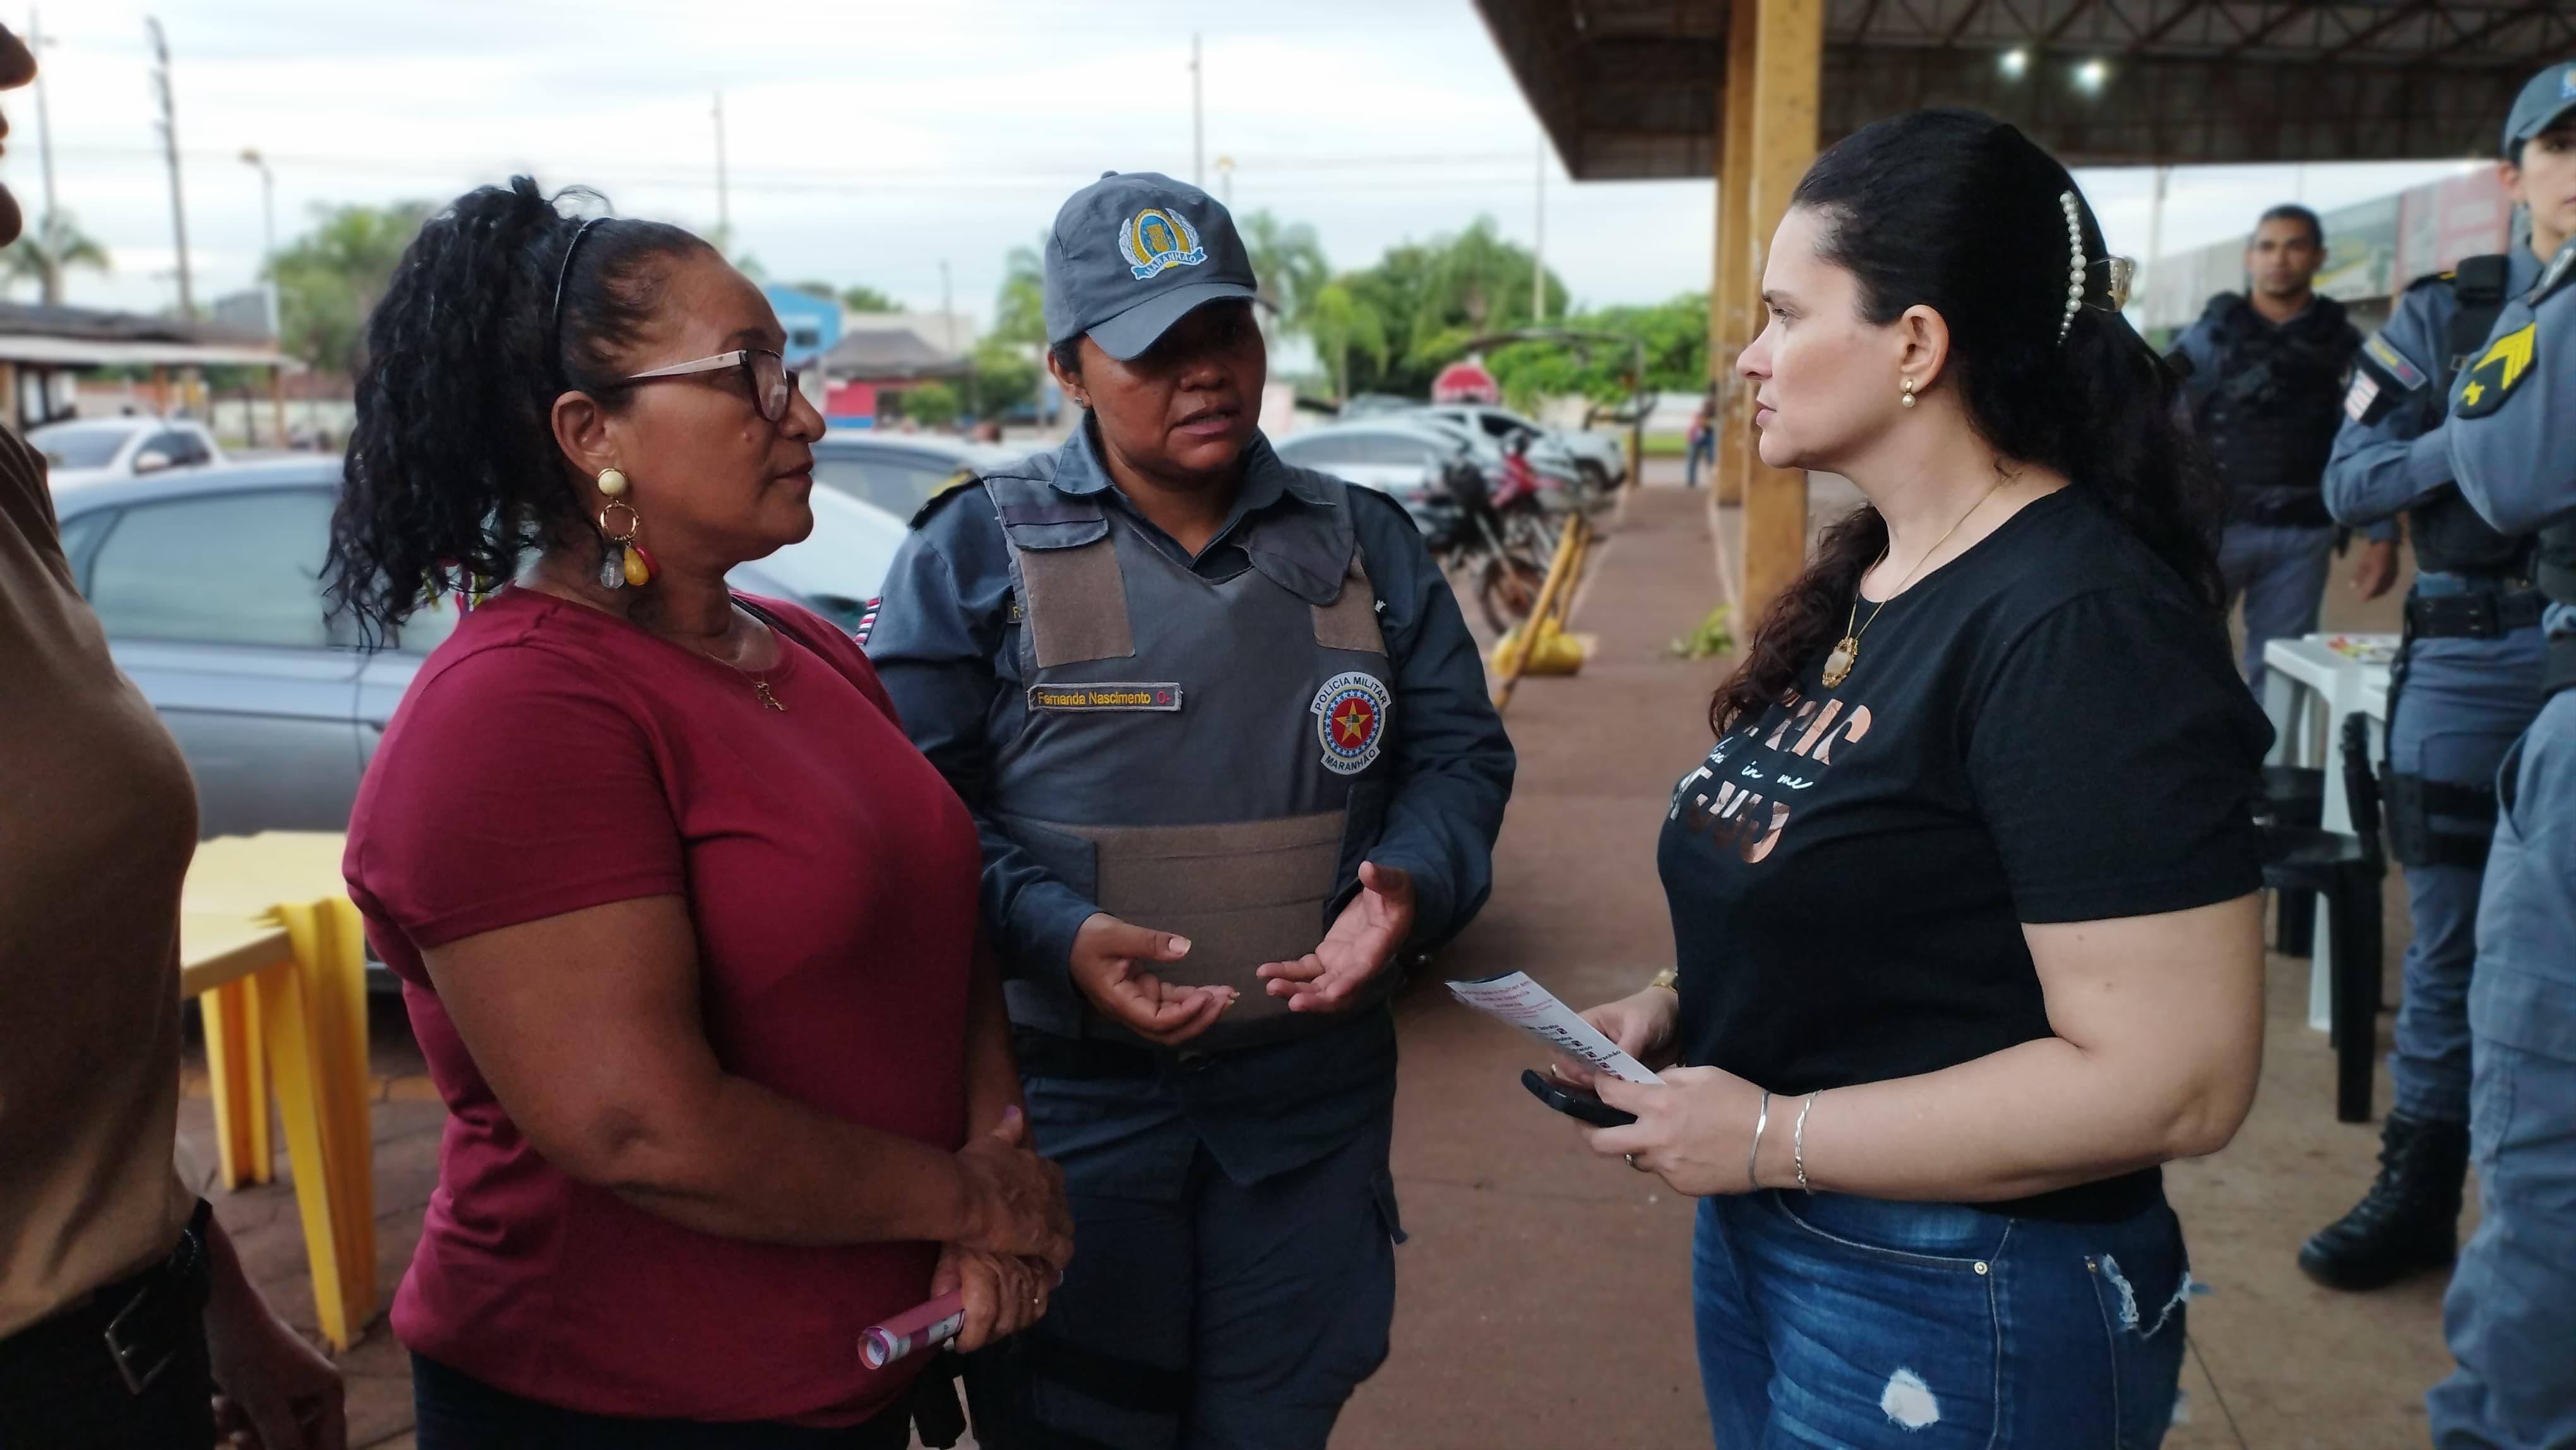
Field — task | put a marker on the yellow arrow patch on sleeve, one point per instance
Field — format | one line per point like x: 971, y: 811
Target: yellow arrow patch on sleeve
x: 2497, y: 372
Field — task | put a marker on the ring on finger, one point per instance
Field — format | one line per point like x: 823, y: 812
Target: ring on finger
x: 1633, y: 1163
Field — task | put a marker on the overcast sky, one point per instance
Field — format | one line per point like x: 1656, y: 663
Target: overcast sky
x: 873, y: 142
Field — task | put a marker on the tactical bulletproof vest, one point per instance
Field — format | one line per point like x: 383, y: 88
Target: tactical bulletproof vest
x: 2271, y: 411
x: 1206, y: 757
x: 2448, y: 534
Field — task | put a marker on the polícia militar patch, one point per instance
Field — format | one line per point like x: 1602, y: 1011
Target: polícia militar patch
x: 1350, y: 720
x: 1163, y: 696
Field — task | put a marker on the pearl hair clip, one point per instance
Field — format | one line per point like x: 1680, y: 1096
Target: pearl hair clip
x: 2123, y: 271
x: 2075, y: 261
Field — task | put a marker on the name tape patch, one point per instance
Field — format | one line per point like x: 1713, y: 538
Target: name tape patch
x: 1163, y: 696
x: 2398, y: 367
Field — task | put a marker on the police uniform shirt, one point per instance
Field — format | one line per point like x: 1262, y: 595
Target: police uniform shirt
x: 2512, y: 431
x: 2393, y: 448
x: 946, y: 645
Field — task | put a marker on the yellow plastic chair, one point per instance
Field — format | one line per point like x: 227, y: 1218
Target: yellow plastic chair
x: 302, y: 1031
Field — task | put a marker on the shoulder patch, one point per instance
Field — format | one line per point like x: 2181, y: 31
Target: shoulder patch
x: 2497, y: 372
x: 2431, y: 279
x: 2382, y: 355
x: 949, y: 492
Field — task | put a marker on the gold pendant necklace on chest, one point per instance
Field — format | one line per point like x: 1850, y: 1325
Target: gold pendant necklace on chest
x: 1846, y: 651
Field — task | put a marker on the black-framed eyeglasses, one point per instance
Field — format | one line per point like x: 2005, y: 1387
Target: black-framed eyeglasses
x: 772, y: 381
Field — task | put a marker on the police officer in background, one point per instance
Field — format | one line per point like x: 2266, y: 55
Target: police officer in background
x: 1226, y: 736
x: 2466, y: 683
x: 2510, y: 1315
x: 2265, y: 380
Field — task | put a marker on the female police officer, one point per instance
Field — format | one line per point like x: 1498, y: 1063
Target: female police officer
x: 1226, y: 737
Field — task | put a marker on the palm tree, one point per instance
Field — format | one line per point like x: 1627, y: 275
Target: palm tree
x: 1340, y: 320
x: 56, y: 246
x: 1019, y: 311
x: 1288, y: 265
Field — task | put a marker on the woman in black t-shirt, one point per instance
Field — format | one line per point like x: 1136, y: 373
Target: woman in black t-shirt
x: 1968, y: 883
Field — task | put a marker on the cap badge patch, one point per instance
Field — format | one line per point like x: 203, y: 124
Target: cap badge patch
x: 1350, y: 720
x: 1154, y: 239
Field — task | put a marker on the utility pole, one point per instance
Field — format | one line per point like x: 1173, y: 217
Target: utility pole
x: 169, y: 124
x: 724, y: 208
x: 1198, y: 120
x: 268, y: 212
x: 947, y: 309
x: 48, y: 235
x: 1538, y: 257
x: 1225, y: 181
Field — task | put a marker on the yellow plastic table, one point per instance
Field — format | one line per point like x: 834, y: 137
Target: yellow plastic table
x: 271, y: 941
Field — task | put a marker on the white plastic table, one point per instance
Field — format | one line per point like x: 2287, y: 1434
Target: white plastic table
x: 2310, y: 684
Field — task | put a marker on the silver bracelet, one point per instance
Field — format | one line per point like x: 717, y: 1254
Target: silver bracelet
x: 1798, y: 1140
x: 1752, y: 1183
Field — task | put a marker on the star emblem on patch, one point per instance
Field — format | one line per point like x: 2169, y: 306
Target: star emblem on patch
x: 1350, y: 721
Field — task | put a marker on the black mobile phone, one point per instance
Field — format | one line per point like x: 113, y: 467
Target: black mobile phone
x: 1575, y: 1102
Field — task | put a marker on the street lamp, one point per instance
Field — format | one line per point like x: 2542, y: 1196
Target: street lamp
x: 276, y: 325
x: 267, y: 199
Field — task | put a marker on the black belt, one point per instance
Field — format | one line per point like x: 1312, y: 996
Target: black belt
x: 2560, y: 673
x: 141, y: 1323
x: 2478, y: 614
x: 1046, y: 1054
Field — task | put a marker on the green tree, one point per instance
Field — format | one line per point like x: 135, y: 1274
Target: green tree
x: 1019, y: 309
x: 932, y: 404
x: 43, y: 255
x: 1342, y: 322
x: 867, y: 299
x: 330, y: 278
x: 1435, y: 297
x: 1289, y: 265
x: 1005, y: 377
x: 1674, y: 332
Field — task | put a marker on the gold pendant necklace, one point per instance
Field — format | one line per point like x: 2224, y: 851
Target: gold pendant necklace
x: 760, y: 687
x: 1846, y: 652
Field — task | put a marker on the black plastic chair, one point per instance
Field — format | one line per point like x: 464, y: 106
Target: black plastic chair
x: 2345, y: 872
x: 2293, y: 795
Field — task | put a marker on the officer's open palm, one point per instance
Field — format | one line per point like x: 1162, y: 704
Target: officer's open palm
x: 1363, y: 940
x: 1112, y: 963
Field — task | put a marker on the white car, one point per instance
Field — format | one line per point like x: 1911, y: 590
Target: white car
x: 86, y: 450
x: 1602, y: 452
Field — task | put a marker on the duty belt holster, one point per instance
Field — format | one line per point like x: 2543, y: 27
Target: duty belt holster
x: 2479, y: 614
x: 2414, y: 839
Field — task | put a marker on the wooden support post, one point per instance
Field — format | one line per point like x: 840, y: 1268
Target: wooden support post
x: 1732, y: 295
x: 1788, y: 64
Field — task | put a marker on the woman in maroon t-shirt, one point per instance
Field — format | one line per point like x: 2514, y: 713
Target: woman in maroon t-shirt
x: 686, y: 928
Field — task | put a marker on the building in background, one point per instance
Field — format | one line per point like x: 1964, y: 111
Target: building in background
x: 2373, y: 250
x: 881, y: 355
x: 813, y: 323
x: 48, y: 353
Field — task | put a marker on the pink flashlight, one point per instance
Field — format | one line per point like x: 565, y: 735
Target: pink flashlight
x: 924, y: 1326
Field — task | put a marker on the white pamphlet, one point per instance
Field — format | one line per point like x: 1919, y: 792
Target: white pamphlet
x: 1514, y: 998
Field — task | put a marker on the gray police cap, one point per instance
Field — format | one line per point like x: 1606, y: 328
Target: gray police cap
x: 2549, y: 95
x: 1135, y: 252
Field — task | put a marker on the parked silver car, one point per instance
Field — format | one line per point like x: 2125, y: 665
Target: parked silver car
x: 1600, y: 458
x: 208, y: 583
x: 899, y: 472
x: 84, y: 450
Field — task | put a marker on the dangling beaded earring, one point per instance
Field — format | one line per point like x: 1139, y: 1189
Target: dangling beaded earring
x: 1908, y: 399
x: 623, y: 561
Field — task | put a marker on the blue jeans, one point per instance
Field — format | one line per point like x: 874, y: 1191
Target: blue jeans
x: 2280, y: 571
x: 2463, y: 703
x: 2510, y: 1315
x: 1703, y: 446
x: 1830, y: 1320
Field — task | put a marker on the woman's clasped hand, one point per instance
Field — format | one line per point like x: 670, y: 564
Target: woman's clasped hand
x: 1020, y: 1240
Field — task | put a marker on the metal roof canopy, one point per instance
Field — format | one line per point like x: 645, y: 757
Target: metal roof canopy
x: 1629, y: 89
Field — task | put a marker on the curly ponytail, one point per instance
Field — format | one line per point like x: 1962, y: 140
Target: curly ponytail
x: 453, y: 471
x: 1959, y: 212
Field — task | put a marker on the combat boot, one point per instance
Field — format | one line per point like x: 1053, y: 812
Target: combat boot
x: 2410, y: 1219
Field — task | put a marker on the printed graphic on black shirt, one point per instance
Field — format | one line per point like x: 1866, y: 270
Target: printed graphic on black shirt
x: 1738, y: 802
